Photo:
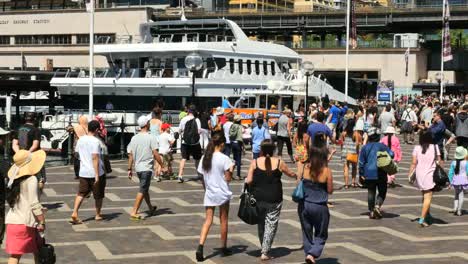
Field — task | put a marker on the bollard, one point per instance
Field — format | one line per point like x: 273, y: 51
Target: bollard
x: 122, y: 139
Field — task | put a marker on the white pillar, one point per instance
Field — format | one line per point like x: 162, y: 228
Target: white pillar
x: 91, y: 58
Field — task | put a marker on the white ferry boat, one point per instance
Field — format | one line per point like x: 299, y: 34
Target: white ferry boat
x: 154, y: 65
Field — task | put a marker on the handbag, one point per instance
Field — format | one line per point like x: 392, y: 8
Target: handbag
x: 412, y: 178
x: 298, y: 193
x: 107, y: 164
x: 46, y: 254
x: 352, y: 157
x: 439, y: 177
x: 248, y: 207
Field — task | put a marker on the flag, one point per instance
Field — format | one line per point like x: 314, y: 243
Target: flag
x: 353, y: 36
x: 447, y: 49
x: 406, y: 60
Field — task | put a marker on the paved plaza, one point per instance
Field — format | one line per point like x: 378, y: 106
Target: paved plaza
x: 172, y: 235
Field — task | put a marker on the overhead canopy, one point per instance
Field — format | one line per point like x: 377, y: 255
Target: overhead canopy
x: 296, y: 87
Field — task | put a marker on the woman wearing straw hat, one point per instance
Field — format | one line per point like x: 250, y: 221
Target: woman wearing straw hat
x: 25, y: 217
x: 391, y: 141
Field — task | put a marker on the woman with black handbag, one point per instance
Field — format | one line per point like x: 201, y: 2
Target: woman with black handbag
x: 264, y: 178
x: 425, y: 158
x: 26, y: 218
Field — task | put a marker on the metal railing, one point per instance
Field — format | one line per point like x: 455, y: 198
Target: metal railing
x: 64, y: 155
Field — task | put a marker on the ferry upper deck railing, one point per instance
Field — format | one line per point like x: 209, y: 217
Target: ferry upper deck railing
x: 180, y: 37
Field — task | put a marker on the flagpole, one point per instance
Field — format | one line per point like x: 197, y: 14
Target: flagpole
x: 406, y: 75
x: 91, y: 58
x: 442, y: 53
x: 348, y: 11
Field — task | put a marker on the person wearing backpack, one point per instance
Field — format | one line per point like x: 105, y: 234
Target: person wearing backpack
x: 461, y: 127
x: 28, y: 137
x: 190, y: 129
x: 237, y: 143
x: 375, y: 178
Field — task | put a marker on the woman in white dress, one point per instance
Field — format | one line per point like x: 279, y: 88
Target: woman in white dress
x: 217, y: 170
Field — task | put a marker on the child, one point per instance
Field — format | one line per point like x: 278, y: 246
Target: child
x: 350, y: 152
x: 392, y: 141
x: 458, y: 178
x: 166, y: 140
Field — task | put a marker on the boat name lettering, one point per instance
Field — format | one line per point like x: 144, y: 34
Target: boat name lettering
x: 4, y: 22
x: 238, y: 91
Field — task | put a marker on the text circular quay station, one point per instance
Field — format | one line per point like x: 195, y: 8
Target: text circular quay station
x: 155, y: 131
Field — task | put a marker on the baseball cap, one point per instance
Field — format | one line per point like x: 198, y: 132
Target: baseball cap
x: 165, y: 126
x: 143, y: 121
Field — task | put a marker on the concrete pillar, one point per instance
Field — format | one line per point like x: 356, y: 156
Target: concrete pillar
x: 339, y: 38
x: 322, y: 40
x: 305, y: 43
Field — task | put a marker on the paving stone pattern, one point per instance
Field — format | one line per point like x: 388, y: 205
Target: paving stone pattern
x: 172, y: 235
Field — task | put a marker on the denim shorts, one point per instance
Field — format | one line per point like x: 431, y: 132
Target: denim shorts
x: 145, y: 180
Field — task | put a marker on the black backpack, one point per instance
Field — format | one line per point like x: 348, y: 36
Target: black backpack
x: 23, y: 139
x: 191, y: 136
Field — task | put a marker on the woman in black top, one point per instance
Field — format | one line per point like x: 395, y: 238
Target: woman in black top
x: 264, y: 177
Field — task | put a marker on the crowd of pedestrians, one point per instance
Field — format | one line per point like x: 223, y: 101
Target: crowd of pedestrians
x: 366, y: 135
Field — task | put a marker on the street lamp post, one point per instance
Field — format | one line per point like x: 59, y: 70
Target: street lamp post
x: 308, y: 69
x: 193, y: 62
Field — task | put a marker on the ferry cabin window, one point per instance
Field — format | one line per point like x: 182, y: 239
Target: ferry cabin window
x: 273, y: 70
x: 257, y: 67
x: 210, y: 64
x: 249, y: 67
x: 220, y: 63
x: 4, y: 40
x: 265, y: 67
x: 241, y: 66
x: 232, y: 67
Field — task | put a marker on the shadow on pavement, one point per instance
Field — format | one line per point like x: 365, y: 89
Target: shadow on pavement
x: 274, y: 252
x: 105, y: 217
x: 237, y: 249
x: 328, y: 261
x: 163, y: 211
x: 53, y: 206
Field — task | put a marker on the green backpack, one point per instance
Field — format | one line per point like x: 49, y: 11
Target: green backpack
x: 386, y: 163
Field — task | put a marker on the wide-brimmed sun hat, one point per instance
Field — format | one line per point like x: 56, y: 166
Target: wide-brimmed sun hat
x: 25, y: 164
x: 390, y: 130
x: 237, y: 118
x: 219, y: 110
x: 460, y: 153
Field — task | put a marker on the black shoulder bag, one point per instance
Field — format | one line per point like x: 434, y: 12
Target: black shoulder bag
x: 440, y: 177
x: 248, y: 207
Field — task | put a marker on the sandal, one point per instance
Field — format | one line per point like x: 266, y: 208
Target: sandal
x: 75, y: 221
x: 136, y: 217
x: 422, y: 222
x: 153, y: 211
x: 98, y: 218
